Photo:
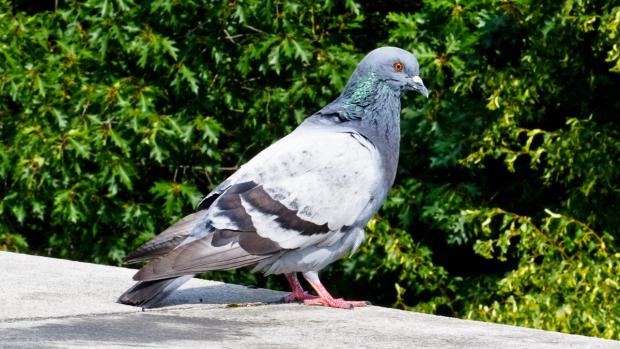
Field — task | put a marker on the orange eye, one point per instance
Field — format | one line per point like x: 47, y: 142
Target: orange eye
x: 398, y: 67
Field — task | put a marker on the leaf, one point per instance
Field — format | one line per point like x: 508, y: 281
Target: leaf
x: 82, y: 149
x: 119, y: 142
x: 168, y: 46
x: 189, y: 77
x: 61, y: 119
x: 301, y: 52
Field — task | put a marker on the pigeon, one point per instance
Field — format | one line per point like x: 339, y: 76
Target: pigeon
x: 301, y: 203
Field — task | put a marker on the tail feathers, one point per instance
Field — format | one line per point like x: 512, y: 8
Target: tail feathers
x: 148, y: 294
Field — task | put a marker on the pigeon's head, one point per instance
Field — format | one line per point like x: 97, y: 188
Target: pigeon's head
x: 393, y: 66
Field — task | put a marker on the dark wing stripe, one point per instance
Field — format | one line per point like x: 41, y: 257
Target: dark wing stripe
x: 250, y: 241
x: 258, y: 245
x: 207, y: 201
x: 241, y: 187
x: 213, y: 195
x: 239, y: 217
x: 287, y: 218
x: 225, y: 187
x: 229, y: 201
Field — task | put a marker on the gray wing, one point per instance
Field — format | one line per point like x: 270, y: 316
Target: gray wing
x: 301, y: 191
x: 176, y: 233
x: 305, y: 188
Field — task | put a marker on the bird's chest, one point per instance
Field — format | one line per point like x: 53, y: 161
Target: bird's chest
x: 382, y: 128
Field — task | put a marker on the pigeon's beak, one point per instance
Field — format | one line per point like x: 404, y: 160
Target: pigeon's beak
x: 416, y: 84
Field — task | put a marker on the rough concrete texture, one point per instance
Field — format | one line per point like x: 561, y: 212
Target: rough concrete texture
x: 52, y: 303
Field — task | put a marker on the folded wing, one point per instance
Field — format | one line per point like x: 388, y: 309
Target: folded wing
x: 299, y: 192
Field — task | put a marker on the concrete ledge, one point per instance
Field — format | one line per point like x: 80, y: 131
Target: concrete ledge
x: 53, y: 303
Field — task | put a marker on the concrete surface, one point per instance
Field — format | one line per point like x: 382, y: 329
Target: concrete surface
x: 52, y: 303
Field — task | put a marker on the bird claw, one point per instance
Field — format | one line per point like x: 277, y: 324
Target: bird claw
x: 336, y: 303
x: 298, y: 297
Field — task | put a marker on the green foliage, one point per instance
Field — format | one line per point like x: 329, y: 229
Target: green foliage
x: 521, y: 126
x: 116, y: 116
x: 566, y: 279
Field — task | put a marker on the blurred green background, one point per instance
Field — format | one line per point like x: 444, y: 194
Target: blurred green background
x: 116, y: 116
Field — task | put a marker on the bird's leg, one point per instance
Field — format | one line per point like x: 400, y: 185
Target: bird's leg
x: 298, y: 293
x: 325, y: 298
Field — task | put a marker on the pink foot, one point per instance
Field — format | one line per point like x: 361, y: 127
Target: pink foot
x: 298, y: 293
x: 298, y: 297
x: 336, y: 303
x: 325, y: 298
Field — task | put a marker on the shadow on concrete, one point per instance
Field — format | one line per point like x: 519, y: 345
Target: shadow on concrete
x: 222, y: 294
x: 137, y: 329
